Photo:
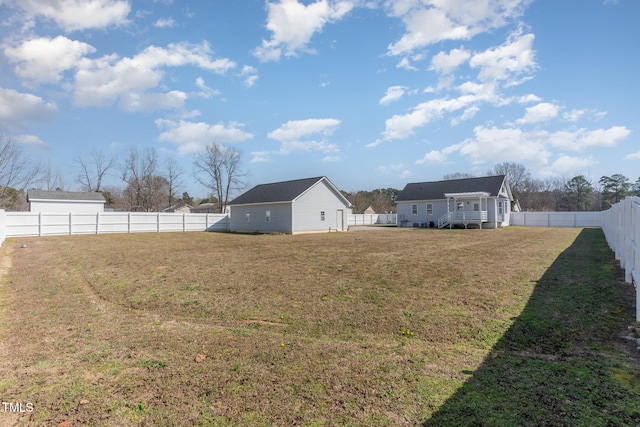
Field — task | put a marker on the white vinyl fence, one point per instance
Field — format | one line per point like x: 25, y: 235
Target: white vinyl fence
x: 18, y: 224
x: 556, y: 219
x: 371, y: 219
x: 621, y: 227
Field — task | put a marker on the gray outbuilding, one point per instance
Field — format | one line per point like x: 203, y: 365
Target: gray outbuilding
x: 310, y: 205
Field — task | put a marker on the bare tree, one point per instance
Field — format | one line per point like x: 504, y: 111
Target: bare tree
x: 91, y: 171
x: 456, y: 175
x: 174, y: 178
x: 17, y: 171
x: 218, y: 170
x: 516, y: 174
x: 145, y: 190
x: 51, y: 180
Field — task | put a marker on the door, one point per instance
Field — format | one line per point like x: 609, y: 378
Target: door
x: 340, y: 220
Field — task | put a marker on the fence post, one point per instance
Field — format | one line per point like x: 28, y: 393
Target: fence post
x: 97, y: 222
x: 40, y: 224
x: 158, y: 222
x: 184, y: 222
x: 129, y: 222
x: 70, y: 223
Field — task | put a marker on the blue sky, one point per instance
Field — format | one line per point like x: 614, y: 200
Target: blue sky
x: 371, y: 93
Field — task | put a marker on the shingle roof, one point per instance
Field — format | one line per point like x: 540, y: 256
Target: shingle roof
x: 34, y: 194
x: 436, y: 189
x: 285, y: 191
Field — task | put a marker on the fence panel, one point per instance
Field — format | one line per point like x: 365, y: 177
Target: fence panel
x: 556, y: 219
x: 25, y: 224
x: 621, y: 227
x: 370, y: 219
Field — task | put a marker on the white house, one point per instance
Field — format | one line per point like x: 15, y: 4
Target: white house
x: 484, y: 202
x: 308, y: 205
x: 65, y: 201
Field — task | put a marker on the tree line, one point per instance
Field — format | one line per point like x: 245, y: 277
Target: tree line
x: 149, y: 186
x: 577, y: 193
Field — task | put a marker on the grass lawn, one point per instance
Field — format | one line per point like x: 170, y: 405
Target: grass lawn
x: 394, y: 327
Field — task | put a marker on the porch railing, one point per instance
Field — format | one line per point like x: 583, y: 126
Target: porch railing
x: 461, y: 217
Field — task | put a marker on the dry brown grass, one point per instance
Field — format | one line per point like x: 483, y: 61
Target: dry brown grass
x: 366, y: 328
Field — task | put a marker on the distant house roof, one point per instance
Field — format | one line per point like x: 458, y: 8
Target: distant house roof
x: 436, y: 190
x: 285, y: 191
x: 175, y: 208
x: 78, y: 196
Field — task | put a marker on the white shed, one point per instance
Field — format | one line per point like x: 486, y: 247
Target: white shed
x: 308, y: 205
x: 65, y: 201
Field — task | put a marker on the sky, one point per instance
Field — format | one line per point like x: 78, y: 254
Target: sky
x: 370, y: 93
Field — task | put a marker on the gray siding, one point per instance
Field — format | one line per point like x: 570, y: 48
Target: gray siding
x: 405, y: 212
x: 440, y: 208
x: 307, y: 208
x: 280, y: 218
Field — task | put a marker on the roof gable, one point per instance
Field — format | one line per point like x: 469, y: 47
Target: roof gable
x: 285, y: 191
x: 77, y: 196
x: 436, y: 190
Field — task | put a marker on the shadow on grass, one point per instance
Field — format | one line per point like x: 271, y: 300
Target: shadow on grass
x: 561, y: 362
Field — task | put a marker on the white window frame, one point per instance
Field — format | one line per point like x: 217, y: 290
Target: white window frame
x: 414, y: 209
x: 267, y: 216
x: 247, y: 216
x: 322, y: 216
x: 429, y: 208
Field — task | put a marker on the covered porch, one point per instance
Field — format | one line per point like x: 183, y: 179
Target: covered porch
x: 465, y: 208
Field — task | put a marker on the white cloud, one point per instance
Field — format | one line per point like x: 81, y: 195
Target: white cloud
x: 567, y: 165
x: 539, y: 113
x: 528, y: 99
x: 431, y: 21
x: 205, y: 91
x: 403, y: 126
x: 72, y: 15
x: 574, y: 115
x: 192, y: 137
x: 445, y: 63
x: 404, y: 63
x: 31, y: 140
x: 468, y: 114
x: 260, y: 156
x: 109, y: 79
x: 580, y: 139
x: 250, y: 75
x: 133, y: 101
x: 17, y: 109
x: 497, y: 145
x: 43, y: 60
x: 298, y: 135
x: 432, y: 157
x: 165, y: 23
x: 507, y: 61
x: 331, y: 159
x: 633, y: 156
x: 293, y: 24
x: 394, y: 93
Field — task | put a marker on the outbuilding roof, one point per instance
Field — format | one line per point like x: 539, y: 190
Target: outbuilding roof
x: 35, y: 194
x: 285, y: 191
x: 436, y: 190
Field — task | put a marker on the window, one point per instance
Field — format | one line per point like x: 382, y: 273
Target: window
x: 267, y: 216
x: 414, y: 209
x: 500, y: 208
x: 476, y: 207
x: 247, y: 217
x: 321, y: 215
x: 460, y: 206
x: 429, y: 209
